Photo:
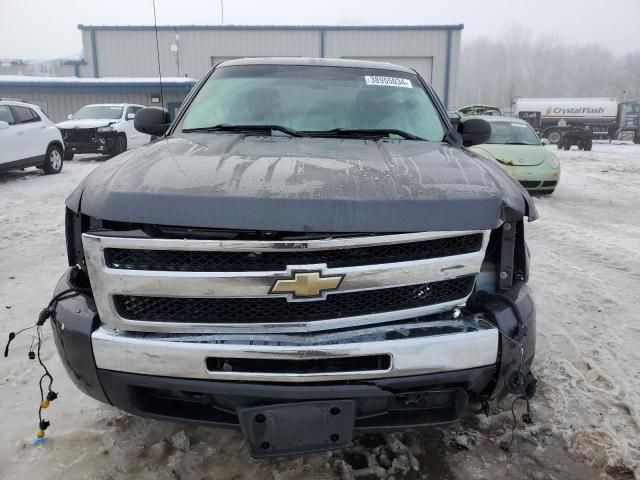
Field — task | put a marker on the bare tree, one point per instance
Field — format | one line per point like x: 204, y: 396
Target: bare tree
x: 517, y: 64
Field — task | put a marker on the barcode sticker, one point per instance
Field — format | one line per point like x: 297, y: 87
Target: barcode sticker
x: 387, y: 81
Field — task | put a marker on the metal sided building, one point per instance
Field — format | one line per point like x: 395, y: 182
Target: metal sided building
x: 61, y: 96
x: 130, y: 51
x: 120, y: 63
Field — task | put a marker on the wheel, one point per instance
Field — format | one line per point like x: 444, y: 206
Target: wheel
x: 636, y: 139
x: 588, y: 144
x: 119, y: 147
x: 559, y: 145
x: 68, y: 156
x: 554, y: 136
x: 53, y: 160
x: 567, y: 146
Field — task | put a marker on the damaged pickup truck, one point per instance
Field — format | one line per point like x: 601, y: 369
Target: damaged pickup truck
x: 106, y: 129
x: 307, y: 251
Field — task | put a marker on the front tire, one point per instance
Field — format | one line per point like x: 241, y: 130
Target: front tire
x: 587, y: 145
x: 554, y: 136
x: 119, y: 147
x: 636, y: 139
x: 53, y: 160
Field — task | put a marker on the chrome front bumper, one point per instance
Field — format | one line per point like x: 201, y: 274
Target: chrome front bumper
x: 421, y: 349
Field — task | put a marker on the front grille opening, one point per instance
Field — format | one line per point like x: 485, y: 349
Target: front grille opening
x: 230, y: 261
x: 550, y: 183
x: 79, y: 135
x: 278, y: 310
x: 294, y: 366
x: 529, y: 183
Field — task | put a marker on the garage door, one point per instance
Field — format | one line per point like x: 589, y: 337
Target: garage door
x: 421, y: 64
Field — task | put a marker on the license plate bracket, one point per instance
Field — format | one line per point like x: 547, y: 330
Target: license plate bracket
x: 295, y: 428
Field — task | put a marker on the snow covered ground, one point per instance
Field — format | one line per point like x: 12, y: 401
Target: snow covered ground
x: 586, y: 277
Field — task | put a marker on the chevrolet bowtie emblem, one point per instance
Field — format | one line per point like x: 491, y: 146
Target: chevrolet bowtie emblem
x: 307, y: 285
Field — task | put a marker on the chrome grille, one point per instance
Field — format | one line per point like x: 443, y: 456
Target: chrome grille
x: 270, y: 310
x: 384, y: 278
x: 230, y: 261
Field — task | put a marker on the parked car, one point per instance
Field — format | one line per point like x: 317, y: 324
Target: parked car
x: 517, y: 148
x: 28, y: 138
x: 313, y: 246
x: 105, y: 128
x: 479, y: 109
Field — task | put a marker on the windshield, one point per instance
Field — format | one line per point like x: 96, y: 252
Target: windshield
x: 512, y: 133
x: 306, y: 99
x: 98, y: 111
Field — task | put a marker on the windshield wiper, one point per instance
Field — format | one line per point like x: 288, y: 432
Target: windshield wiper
x: 370, y: 132
x: 225, y: 127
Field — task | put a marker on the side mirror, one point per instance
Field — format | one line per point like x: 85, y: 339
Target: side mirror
x: 152, y: 121
x: 545, y: 141
x: 474, y: 131
x: 70, y: 116
x: 131, y: 116
x: 3, y: 125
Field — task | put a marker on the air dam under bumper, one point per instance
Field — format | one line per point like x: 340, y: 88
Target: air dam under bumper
x: 409, y: 356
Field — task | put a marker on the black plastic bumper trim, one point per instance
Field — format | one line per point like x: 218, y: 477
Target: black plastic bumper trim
x: 380, y: 402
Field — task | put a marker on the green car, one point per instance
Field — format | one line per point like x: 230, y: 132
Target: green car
x: 516, y: 146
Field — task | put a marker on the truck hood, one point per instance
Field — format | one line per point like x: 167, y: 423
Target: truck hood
x: 86, y: 123
x: 517, y: 155
x: 229, y: 181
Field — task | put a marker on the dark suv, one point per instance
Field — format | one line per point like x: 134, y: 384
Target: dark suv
x: 308, y: 250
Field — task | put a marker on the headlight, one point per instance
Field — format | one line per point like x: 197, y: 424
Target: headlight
x: 105, y: 129
x: 554, y: 162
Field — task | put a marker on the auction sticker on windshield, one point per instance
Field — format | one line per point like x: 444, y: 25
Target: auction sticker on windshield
x: 387, y: 81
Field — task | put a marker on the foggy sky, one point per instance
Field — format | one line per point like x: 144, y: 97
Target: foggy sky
x: 48, y: 28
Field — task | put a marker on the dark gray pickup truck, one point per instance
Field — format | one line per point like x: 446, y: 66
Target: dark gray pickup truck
x: 307, y: 251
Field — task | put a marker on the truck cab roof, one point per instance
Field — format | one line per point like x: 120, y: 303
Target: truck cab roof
x: 316, y: 62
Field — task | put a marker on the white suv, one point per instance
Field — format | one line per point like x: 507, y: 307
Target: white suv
x: 28, y: 138
x: 104, y: 128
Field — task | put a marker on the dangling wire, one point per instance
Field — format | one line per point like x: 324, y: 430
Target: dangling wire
x: 36, y: 341
x: 520, y: 372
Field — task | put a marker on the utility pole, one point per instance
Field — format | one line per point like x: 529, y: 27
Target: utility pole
x: 221, y: 12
